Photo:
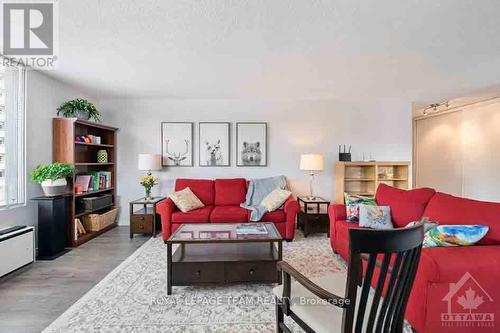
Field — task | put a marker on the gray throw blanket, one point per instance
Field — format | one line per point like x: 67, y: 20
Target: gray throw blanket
x: 258, y: 189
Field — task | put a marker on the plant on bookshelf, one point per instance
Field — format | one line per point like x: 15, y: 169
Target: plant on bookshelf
x: 79, y: 108
x: 52, y: 177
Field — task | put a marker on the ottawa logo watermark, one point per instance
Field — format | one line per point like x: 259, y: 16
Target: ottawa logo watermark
x: 465, y: 300
x: 29, y: 33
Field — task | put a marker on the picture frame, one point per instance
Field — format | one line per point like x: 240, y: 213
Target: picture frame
x: 177, y: 144
x: 251, y: 144
x: 214, y: 144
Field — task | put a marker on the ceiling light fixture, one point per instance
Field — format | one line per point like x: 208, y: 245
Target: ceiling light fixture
x: 435, y: 107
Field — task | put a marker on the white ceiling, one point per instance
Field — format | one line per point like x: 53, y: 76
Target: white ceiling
x: 283, y: 49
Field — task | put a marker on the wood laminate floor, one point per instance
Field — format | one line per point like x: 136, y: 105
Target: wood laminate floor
x: 32, y: 297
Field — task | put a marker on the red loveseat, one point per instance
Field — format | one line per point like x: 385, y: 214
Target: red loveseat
x: 222, y: 199
x: 456, y: 288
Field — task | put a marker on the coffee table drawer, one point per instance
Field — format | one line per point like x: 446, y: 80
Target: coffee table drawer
x: 251, y: 271
x: 187, y: 273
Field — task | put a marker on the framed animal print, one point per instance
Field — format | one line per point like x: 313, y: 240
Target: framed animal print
x: 251, y: 144
x: 176, y: 144
x: 214, y: 144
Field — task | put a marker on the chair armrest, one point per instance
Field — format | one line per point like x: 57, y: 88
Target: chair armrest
x: 289, y: 271
x: 336, y: 212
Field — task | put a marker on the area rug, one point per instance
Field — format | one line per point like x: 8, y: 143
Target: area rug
x: 133, y: 297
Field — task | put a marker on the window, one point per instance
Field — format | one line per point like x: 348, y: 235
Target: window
x: 12, y: 137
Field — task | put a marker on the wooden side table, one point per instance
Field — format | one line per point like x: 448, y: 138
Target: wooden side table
x: 313, y: 216
x: 143, y: 221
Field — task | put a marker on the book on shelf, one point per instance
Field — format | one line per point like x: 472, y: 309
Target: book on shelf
x: 78, y: 229
x: 251, y: 229
x: 94, y: 180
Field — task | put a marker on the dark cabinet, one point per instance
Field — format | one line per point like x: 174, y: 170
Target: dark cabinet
x: 53, y: 215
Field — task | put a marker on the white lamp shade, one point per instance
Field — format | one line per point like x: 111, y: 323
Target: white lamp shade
x: 311, y: 162
x: 149, y: 162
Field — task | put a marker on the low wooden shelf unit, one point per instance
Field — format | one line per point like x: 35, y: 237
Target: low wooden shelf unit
x: 363, y: 178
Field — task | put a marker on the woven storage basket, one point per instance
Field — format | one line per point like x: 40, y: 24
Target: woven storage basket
x: 96, y: 222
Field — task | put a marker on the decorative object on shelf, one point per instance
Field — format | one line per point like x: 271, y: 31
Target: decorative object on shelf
x: 311, y: 163
x: 52, y: 177
x: 79, y: 108
x: 385, y: 173
x: 102, y: 156
x: 368, y: 157
x: 214, y: 144
x: 177, y: 143
x: 344, y: 153
x: 98, y: 222
x: 251, y: 144
x: 149, y: 162
x: 88, y: 139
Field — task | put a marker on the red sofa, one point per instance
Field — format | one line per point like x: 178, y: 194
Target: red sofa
x: 445, y: 274
x: 222, y: 199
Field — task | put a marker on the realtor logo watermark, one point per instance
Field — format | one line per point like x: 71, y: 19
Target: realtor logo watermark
x: 465, y: 300
x: 30, y: 33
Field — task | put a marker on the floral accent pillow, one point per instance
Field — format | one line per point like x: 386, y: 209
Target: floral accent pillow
x: 352, y: 203
x: 186, y: 200
x: 375, y: 217
x: 427, y: 225
x: 454, y: 235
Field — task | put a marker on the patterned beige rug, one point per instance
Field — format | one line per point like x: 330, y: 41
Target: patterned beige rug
x: 133, y: 298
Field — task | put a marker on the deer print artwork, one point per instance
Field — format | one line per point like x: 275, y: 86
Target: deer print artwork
x: 177, y: 157
x: 177, y: 144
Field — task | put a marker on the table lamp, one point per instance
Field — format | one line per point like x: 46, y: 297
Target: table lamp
x: 311, y: 163
x: 149, y: 162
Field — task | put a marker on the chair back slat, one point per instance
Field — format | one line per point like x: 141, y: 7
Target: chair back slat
x: 372, y: 260
x: 378, y: 292
x: 402, y: 245
x: 401, y: 306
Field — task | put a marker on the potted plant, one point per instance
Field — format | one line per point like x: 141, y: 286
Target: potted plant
x: 79, y: 108
x: 52, y: 177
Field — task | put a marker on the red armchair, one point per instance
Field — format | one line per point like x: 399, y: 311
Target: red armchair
x: 222, y: 198
x: 444, y: 273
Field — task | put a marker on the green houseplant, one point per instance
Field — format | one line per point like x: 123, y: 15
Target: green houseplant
x: 52, y: 177
x: 79, y: 108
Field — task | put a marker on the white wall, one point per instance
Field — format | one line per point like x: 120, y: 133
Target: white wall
x: 382, y: 128
x: 44, y: 95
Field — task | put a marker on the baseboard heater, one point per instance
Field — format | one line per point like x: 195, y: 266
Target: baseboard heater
x: 17, y: 248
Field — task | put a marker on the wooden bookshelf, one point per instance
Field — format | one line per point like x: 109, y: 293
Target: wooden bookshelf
x: 83, y: 156
x: 363, y: 178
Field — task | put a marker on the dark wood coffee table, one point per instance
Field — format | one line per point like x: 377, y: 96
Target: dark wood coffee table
x: 215, y: 253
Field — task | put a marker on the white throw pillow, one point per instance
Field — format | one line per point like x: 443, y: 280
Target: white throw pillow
x: 275, y: 199
x: 186, y: 200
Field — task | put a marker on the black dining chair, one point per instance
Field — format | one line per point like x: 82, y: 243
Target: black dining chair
x: 347, y: 303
